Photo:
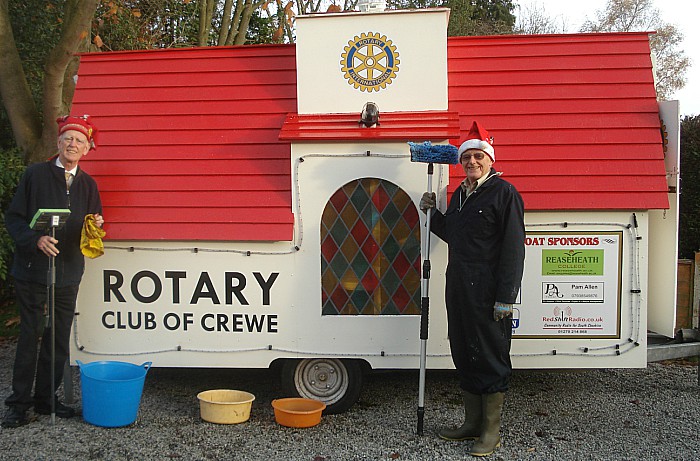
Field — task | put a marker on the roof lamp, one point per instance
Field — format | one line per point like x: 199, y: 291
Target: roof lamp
x: 369, y: 116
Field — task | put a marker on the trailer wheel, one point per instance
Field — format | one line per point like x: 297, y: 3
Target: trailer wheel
x: 335, y: 382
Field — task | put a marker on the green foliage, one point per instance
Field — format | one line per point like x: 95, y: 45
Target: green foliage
x: 11, y: 169
x: 480, y: 17
x: 36, y: 26
x: 689, y: 227
x: 9, y: 319
x: 260, y: 30
x: 469, y: 17
x: 6, y: 137
x: 146, y: 24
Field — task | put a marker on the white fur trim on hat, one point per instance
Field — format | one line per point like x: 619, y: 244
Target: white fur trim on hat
x: 477, y: 144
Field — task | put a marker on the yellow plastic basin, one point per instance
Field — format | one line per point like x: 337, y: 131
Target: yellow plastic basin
x: 225, y: 406
x: 298, y: 412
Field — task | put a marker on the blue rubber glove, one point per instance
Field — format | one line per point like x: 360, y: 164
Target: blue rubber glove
x: 502, y: 310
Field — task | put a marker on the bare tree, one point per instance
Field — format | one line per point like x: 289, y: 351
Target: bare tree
x: 641, y: 15
x: 35, y: 134
x: 285, y: 11
x: 533, y: 19
x: 233, y: 20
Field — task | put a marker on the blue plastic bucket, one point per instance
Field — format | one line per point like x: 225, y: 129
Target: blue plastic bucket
x: 111, y: 391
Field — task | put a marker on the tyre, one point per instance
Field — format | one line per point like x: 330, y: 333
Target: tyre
x: 335, y: 382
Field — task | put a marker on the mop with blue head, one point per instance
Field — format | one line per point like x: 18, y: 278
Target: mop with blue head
x: 426, y: 152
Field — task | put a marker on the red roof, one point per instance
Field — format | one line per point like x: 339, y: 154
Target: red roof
x: 194, y: 144
x: 574, y: 118
x: 189, y: 145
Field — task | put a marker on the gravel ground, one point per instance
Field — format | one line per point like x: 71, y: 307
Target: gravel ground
x: 647, y: 414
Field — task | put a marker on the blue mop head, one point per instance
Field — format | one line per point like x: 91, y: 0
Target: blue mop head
x: 427, y: 153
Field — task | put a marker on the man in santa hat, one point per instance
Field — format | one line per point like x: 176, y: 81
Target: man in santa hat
x: 485, y: 232
x: 58, y: 183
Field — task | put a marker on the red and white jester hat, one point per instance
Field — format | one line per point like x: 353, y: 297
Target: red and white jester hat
x: 478, y: 138
x: 82, y: 124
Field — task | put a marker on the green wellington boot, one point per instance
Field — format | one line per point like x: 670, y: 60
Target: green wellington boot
x: 490, y: 437
x: 471, y: 429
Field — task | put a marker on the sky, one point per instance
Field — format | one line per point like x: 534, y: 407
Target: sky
x: 684, y: 14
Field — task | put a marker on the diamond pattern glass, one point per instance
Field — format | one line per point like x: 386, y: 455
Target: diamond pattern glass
x: 370, y: 251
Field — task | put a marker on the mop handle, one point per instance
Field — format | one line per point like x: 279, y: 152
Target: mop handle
x: 52, y: 320
x: 425, y: 306
x: 425, y: 280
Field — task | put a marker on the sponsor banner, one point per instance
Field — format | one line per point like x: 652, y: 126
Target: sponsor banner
x: 571, y: 287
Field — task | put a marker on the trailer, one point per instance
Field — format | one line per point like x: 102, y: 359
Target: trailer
x: 254, y: 219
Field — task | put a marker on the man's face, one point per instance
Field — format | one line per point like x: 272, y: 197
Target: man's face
x: 475, y: 164
x: 72, y: 145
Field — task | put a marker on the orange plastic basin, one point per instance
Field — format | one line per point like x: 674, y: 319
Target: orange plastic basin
x: 298, y: 412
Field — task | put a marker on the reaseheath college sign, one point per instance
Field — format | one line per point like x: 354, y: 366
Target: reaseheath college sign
x: 150, y: 301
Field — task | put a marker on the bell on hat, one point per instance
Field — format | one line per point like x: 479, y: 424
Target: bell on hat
x: 82, y: 124
x: 478, y: 138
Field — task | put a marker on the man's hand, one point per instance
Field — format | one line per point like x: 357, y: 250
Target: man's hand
x: 99, y: 220
x: 501, y: 311
x: 427, y: 201
x: 47, y: 245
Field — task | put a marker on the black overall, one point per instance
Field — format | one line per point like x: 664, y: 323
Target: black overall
x: 486, y: 238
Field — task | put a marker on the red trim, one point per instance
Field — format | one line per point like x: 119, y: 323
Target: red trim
x: 405, y: 126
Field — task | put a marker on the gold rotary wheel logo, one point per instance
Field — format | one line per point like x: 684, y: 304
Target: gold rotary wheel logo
x: 370, y: 62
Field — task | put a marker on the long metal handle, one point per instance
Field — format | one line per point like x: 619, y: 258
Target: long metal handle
x: 425, y: 307
x: 52, y: 320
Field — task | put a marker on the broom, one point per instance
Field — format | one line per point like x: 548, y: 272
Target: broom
x: 430, y: 154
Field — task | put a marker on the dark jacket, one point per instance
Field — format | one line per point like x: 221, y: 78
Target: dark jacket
x: 489, y: 230
x: 486, y: 241
x: 43, y: 185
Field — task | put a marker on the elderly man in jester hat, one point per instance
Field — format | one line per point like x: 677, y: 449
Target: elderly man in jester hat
x: 58, y: 183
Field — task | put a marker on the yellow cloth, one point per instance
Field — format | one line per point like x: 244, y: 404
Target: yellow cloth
x: 91, y: 238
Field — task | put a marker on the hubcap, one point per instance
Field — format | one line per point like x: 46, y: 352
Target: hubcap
x: 321, y: 379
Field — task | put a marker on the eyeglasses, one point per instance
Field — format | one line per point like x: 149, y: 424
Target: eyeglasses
x: 476, y: 155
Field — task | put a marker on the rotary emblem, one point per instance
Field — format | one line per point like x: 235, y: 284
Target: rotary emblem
x: 370, y: 62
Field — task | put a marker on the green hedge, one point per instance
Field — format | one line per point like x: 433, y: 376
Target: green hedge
x: 689, y: 226
x: 11, y: 169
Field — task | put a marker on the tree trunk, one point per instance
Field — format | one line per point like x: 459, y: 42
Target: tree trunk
x: 241, y: 21
x: 243, y: 24
x: 14, y: 90
x: 206, y: 13
x: 225, y: 22
x: 235, y: 23
x: 76, y: 29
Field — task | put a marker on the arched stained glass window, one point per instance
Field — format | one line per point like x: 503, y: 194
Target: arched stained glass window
x: 370, y: 251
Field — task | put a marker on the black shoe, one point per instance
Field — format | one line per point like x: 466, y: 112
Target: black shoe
x: 62, y: 411
x: 14, y: 417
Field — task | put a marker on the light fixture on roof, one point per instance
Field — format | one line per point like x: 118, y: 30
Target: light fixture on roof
x: 369, y: 117
x: 371, y: 6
